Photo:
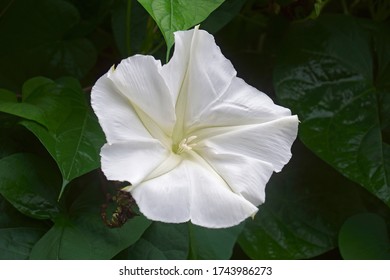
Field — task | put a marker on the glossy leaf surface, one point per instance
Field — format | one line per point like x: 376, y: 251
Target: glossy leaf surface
x: 30, y: 184
x: 336, y: 82
x: 58, y: 114
x: 305, y: 207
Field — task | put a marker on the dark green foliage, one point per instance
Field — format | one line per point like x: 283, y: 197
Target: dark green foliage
x: 363, y: 237
x: 340, y: 93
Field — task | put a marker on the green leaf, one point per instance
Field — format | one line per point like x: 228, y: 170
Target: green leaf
x: 161, y: 242
x: 61, y: 119
x: 129, y: 24
x: 213, y: 244
x: 38, y: 40
x: 7, y: 96
x: 222, y: 15
x: 16, y: 243
x: 365, y: 237
x: 85, y: 238
x: 30, y: 184
x: 58, y: 115
x: 174, y: 15
x: 10, y: 217
x: 182, y: 241
x: 305, y: 207
x: 332, y: 76
x: 23, y: 110
x: 18, y: 233
x: 81, y: 233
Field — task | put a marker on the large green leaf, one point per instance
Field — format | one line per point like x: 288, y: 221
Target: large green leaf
x: 174, y: 15
x: 18, y: 233
x: 182, y: 241
x: 16, y: 243
x: 305, y: 207
x: 213, y: 244
x: 10, y: 217
x: 58, y: 114
x: 365, y: 237
x: 334, y: 75
x: 81, y: 234
x: 161, y: 242
x: 30, y: 184
x: 37, y: 39
x: 85, y: 238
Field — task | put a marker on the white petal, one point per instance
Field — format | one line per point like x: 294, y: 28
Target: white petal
x: 213, y: 202
x: 193, y: 192
x: 209, y: 73
x: 132, y: 160
x: 138, y: 78
x: 240, y: 104
x: 244, y: 175
x: 117, y: 117
x: 174, y: 72
x: 210, y: 92
x: 198, y: 73
x: 166, y: 197
x: 269, y: 142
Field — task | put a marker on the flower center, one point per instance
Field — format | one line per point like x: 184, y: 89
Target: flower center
x: 184, y: 145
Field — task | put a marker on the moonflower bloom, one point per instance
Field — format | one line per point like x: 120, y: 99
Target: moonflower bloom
x: 195, y: 141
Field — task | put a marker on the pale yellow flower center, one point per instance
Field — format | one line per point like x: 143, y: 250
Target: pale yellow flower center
x: 186, y: 144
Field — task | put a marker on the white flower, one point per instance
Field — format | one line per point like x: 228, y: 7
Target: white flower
x: 196, y: 142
